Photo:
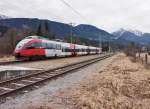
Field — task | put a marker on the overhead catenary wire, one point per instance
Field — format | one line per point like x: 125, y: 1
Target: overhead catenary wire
x: 74, y: 10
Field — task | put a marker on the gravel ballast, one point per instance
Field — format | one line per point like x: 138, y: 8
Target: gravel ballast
x: 53, y: 63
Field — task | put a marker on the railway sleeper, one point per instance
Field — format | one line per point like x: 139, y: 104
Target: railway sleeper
x: 31, y: 81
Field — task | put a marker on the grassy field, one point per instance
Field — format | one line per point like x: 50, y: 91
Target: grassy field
x: 121, y: 85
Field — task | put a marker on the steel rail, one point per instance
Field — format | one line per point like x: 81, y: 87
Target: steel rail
x: 15, y: 85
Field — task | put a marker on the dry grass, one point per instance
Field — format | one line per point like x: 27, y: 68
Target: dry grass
x: 4, y: 58
x: 142, y: 62
x: 122, y: 85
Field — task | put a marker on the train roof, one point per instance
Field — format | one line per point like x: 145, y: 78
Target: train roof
x: 57, y: 42
x: 36, y: 37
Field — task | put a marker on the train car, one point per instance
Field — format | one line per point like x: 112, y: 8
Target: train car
x: 92, y: 50
x: 81, y: 49
x: 67, y: 49
x: 37, y: 47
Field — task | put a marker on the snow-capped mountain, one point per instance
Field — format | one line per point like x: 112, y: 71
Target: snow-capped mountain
x: 4, y: 17
x: 132, y: 35
x: 117, y: 34
x: 136, y: 32
x: 122, y: 31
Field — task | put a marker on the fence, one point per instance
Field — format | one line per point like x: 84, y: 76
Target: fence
x: 144, y: 58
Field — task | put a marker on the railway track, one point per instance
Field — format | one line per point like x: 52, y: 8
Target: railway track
x: 28, y: 61
x: 15, y: 85
x: 10, y: 62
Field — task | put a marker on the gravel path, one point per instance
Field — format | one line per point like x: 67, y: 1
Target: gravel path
x: 40, y: 98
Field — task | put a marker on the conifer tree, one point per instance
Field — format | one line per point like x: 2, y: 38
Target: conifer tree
x: 45, y: 31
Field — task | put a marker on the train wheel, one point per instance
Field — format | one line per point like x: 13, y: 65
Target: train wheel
x: 32, y: 58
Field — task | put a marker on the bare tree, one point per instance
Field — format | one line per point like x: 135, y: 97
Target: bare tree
x: 131, y: 49
x: 11, y: 36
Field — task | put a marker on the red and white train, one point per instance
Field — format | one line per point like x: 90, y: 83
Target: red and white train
x: 34, y: 46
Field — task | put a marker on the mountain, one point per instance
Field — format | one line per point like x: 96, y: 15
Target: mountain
x: 61, y: 30
x: 91, y: 32
x: 3, y: 29
x: 136, y: 32
x: 132, y: 36
x: 3, y: 17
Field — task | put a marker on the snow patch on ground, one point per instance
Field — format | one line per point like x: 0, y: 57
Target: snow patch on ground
x: 14, y: 68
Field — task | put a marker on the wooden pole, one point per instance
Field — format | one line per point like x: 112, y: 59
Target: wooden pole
x: 146, y: 59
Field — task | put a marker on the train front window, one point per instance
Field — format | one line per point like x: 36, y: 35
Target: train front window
x: 37, y: 45
x: 51, y: 46
x: 34, y: 45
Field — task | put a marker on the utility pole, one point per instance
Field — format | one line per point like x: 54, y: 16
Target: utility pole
x: 100, y: 42
x: 109, y: 47
x: 71, y: 32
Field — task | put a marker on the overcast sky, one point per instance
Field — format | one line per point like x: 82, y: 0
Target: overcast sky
x: 109, y: 15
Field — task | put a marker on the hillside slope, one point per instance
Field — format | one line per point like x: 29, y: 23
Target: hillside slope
x: 61, y: 30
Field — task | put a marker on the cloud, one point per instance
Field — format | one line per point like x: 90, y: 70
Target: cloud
x: 106, y: 14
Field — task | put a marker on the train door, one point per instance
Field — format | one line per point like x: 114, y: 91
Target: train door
x: 72, y: 48
x: 50, y: 50
x: 66, y: 51
x: 88, y: 50
x: 58, y: 51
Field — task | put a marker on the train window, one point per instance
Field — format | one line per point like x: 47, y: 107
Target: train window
x: 83, y: 50
x: 34, y: 45
x: 64, y: 50
x: 44, y: 45
x: 50, y: 46
x: 93, y: 50
x: 77, y: 50
x: 67, y: 50
x: 54, y: 46
x: 37, y: 45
